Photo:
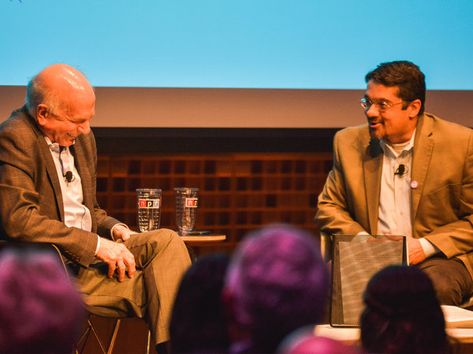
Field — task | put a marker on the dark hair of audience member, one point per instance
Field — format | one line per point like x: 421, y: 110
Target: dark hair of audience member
x: 277, y: 282
x: 402, y: 314
x: 41, y: 311
x: 198, y: 323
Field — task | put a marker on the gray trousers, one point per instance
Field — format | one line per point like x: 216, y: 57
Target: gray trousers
x: 451, y: 280
x: 161, y: 259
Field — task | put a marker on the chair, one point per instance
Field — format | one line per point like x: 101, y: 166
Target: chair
x: 104, y: 346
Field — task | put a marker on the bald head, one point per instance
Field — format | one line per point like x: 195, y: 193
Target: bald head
x: 62, y: 101
x: 60, y: 87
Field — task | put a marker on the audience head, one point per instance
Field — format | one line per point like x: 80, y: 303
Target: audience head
x: 62, y: 101
x: 277, y: 282
x: 402, y: 314
x: 198, y: 321
x: 304, y: 341
x: 40, y: 310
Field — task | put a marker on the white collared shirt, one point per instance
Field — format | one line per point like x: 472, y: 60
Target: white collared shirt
x: 76, y: 214
x: 394, y: 216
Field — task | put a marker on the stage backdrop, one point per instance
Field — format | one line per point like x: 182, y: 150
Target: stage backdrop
x: 245, y: 63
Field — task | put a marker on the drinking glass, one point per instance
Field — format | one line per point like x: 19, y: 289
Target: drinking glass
x: 149, y: 208
x: 186, y: 208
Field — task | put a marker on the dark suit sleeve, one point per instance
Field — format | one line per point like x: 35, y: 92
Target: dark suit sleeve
x: 28, y: 208
x: 103, y: 221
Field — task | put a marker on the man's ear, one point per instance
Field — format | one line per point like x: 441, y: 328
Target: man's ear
x: 414, y: 108
x: 42, y: 114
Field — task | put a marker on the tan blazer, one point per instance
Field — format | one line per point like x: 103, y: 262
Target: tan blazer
x: 441, y: 204
x: 31, y: 206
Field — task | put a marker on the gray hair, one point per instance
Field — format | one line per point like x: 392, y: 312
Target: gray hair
x: 38, y: 92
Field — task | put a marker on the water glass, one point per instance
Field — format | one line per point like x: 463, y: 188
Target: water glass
x: 149, y: 208
x: 186, y: 208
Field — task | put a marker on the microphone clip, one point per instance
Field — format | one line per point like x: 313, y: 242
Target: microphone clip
x: 69, y: 176
x: 401, y: 170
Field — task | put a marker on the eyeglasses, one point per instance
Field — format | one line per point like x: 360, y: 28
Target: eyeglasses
x: 381, y: 105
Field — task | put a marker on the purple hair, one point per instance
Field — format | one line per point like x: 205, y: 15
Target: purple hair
x: 279, y: 283
x: 40, y: 309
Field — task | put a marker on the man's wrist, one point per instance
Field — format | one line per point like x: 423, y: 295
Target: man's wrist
x: 429, y: 248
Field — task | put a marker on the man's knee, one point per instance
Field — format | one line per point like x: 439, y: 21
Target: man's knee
x: 162, y: 237
x: 448, y: 291
x: 450, y: 288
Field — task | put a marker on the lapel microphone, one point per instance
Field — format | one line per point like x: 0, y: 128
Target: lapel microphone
x: 401, y: 169
x: 69, y: 176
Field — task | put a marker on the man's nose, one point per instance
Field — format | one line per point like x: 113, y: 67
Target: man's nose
x: 372, y: 111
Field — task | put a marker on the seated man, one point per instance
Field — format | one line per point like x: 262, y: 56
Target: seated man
x: 408, y: 173
x: 276, y: 283
x: 47, y: 194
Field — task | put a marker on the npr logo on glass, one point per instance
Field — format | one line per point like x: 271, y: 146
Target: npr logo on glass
x: 148, y: 203
x: 191, y: 202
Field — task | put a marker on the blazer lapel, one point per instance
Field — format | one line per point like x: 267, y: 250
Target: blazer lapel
x: 372, y: 168
x: 47, y: 159
x: 82, y: 167
x: 423, y: 147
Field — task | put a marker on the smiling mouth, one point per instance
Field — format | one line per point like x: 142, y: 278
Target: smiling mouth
x: 374, y: 124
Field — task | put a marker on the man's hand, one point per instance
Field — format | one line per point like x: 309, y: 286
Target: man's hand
x: 118, y: 258
x: 121, y: 232
x: 416, y: 252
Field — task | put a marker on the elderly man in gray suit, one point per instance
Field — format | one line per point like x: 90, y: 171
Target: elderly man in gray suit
x: 48, y: 195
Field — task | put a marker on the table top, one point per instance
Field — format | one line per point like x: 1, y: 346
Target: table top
x: 351, y: 335
x: 203, y: 239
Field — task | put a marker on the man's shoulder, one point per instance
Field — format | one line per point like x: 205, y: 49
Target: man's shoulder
x: 19, y: 124
x: 355, y: 133
x: 17, y: 134
x: 443, y: 126
x: 356, y: 130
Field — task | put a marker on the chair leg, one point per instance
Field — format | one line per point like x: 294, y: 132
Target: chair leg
x: 148, y: 343
x: 82, y: 340
x: 111, y: 346
x: 97, y: 338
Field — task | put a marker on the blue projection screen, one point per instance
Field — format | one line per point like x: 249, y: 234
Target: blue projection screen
x: 240, y: 63
x: 302, y: 44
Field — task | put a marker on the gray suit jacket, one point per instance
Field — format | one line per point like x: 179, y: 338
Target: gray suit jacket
x: 441, y: 205
x: 31, y: 206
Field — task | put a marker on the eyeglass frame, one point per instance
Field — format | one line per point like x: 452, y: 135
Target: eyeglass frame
x: 366, y: 104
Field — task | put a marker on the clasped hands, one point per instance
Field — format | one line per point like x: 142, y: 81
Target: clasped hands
x: 414, y: 247
x: 116, y: 255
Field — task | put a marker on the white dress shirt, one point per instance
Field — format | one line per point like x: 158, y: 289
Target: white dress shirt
x: 395, y: 196
x: 76, y: 214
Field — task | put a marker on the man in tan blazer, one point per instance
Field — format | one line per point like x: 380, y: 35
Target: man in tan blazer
x: 406, y: 172
x: 48, y: 195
